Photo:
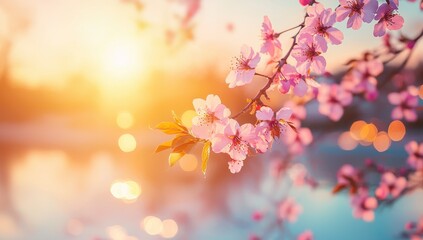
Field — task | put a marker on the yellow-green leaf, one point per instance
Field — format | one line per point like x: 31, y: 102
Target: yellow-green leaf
x: 205, y: 155
x: 170, y: 128
x: 164, y: 146
x: 174, y: 157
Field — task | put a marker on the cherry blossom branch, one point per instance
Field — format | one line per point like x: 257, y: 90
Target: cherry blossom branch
x: 263, y: 90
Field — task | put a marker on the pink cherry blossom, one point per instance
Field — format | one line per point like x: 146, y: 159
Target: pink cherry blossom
x: 275, y: 124
x: 235, y: 166
x: 306, y: 235
x: 332, y: 99
x: 364, y: 206
x: 289, y: 210
x: 271, y: 42
x: 245, y: 68
x: 306, y: 2
x: 296, y: 141
x: 209, y: 112
x: 288, y: 78
x: 390, y: 185
x: 357, y: 11
x: 307, y: 53
x: 234, y: 140
x: 415, y: 155
x: 388, y: 18
x: 347, y: 175
x: 298, y: 113
x: 406, y: 104
x: 362, y: 77
x: 320, y: 23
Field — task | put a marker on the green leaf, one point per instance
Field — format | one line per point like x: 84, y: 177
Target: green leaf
x: 174, y: 157
x: 170, y: 128
x: 205, y: 155
x: 164, y: 146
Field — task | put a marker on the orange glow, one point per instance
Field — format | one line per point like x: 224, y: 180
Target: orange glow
x: 356, y: 129
x: 346, y: 141
x: 170, y: 228
x: 188, y: 162
x: 382, y: 142
x: 396, y: 130
x: 124, y: 120
x: 128, y: 190
x: 127, y: 143
x: 421, y: 91
x: 368, y: 133
x: 8, y: 227
x: 152, y: 225
x: 187, y: 117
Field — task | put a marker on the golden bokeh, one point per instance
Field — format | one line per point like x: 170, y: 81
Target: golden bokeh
x: 368, y: 132
x: 187, y: 117
x: 125, y: 190
x: 396, y: 130
x: 382, y: 142
x: 125, y: 120
x: 188, y: 162
x: 127, y: 143
x: 170, y: 228
x: 421, y: 91
x: 356, y: 129
x: 346, y: 141
x: 152, y: 225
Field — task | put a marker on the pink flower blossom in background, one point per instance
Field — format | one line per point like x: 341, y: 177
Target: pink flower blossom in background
x: 406, y: 104
x: 233, y: 140
x: 306, y: 235
x: 348, y: 175
x: 306, y: 2
x: 298, y: 113
x: 390, y: 185
x: 209, y: 112
x: 357, y: 11
x: 362, y: 77
x: 288, y: 78
x: 296, y: 141
x: 332, y: 98
x: 254, y: 237
x: 307, y: 54
x: 364, y: 206
x: 415, y: 155
x: 289, y: 210
x: 271, y: 42
x: 257, y: 216
x: 320, y: 24
x: 235, y: 166
x: 298, y: 174
x: 388, y: 18
x: 245, y: 68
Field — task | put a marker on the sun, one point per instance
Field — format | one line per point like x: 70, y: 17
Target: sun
x: 122, y: 61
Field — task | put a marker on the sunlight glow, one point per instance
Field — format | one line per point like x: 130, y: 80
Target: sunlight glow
x: 124, y: 120
x: 122, y: 61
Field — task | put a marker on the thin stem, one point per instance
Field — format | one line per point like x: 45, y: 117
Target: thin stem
x: 262, y: 92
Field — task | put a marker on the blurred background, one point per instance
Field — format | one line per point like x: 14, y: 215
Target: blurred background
x: 84, y: 82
